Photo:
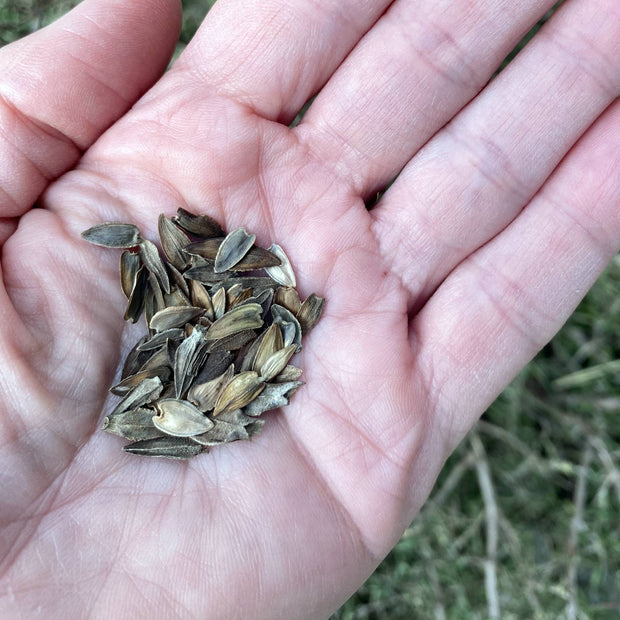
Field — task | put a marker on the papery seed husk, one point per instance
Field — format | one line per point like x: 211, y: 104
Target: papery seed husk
x: 173, y: 240
x: 135, y: 359
x: 222, y: 432
x: 214, y: 366
x: 265, y: 299
x: 287, y: 297
x: 256, y: 258
x: 201, y: 298
x: 188, y: 358
x: 156, y: 341
x: 174, y: 316
x: 149, y: 306
x: 158, y: 296
x: 136, y: 424
x: 250, y: 354
x: 166, y: 447
x: 129, y: 266
x: 113, y: 235
x: 219, y: 302
x: 200, y: 225
x: 237, y: 319
x: 310, y: 312
x: 135, y: 303
x: 238, y: 392
x: 235, y: 416
x: 176, y: 297
x: 283, y: 274
x: 276, y: 363
x: 237, y: 297
x: 206, y: 275
x: 177, y: 277
x: 205, y: 249
x: 132, y: 381
x: 271, y: 342
x: 233, y: 342
x: 291, y: 329
x: 180, y: 418
x: 235, y: 246
x: 273, y: 396
x: 159, y: 363
x: 152, y: 261
x: 290, y: 373
x: 257, y: 283
x: 204, y: 395
x: 147, y: 391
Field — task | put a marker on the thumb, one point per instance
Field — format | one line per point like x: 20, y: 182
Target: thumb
x: 61, y: 87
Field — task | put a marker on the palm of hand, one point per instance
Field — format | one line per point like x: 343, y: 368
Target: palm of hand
x: 329, y: 469
x: 395, y: 374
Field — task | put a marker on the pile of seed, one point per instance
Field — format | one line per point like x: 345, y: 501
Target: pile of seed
x: 223, y: 319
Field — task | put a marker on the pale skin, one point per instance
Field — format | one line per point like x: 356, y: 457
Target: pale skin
x: 504, y: 214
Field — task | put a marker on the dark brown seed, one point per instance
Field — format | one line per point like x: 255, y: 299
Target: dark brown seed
x: 168, y: 447
x: 233, y: 342
x: 130, y: 264
x: 113, y: 235
x: 152, y: 261
x: 135, y: 303
x: 200, y: 225
x: 256, y: 258
x: 205, y: 274
x: 215, y: 365
x: 310, y: 312
x: 174, y: 316
x: 205, y: 249
x: 173, y: 240
x: 235, y: 246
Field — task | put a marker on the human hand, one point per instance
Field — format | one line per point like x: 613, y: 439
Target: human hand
x: 436, y: 297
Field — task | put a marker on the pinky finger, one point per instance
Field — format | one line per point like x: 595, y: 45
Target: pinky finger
x: 496, y: 310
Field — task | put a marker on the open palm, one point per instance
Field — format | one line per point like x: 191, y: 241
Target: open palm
x: 436, y: 297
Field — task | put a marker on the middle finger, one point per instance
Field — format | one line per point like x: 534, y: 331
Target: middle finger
x: 419, y: 64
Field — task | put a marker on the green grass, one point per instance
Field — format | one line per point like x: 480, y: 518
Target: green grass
x: 539, y: 475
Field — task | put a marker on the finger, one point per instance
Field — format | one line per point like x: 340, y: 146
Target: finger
x: 501, y: 305
x: 60, y: 88
x: 475, y: 176
x: 273, y: 56
x: 409, y: 75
